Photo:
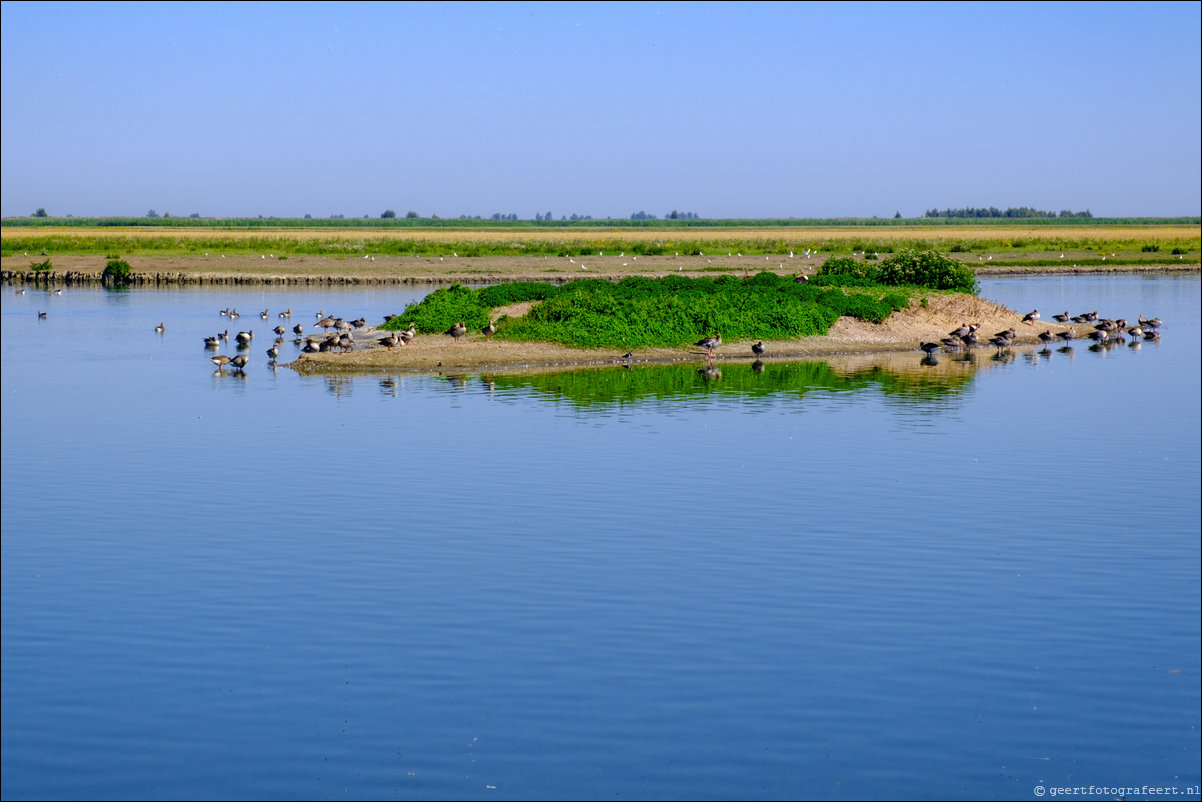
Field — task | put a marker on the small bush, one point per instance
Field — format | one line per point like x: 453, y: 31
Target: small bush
x: 1178, y: 251
x: 846, y: 266
x: 117, y: 270
x: 1150, y: 248
x: 927, y: 269
x: 41, y: 267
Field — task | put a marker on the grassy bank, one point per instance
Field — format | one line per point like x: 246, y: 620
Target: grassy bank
x: 1022, y: 243
x: 647, y: 313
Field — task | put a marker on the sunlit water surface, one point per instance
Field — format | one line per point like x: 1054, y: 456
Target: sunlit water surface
x: 843, y: 580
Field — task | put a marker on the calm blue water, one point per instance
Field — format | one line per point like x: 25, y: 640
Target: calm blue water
x: 835, y: 581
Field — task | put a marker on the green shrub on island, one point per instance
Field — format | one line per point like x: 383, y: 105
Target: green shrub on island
x: 41, y: 267
x: 640, y: 312
x: 928, y: 269
x: 117, y: 270
x: 906, y: 268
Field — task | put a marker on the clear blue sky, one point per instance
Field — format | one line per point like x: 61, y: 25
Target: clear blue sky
x: 723, y: 109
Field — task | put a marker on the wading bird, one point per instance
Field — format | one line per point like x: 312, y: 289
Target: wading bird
x: 709, y: 344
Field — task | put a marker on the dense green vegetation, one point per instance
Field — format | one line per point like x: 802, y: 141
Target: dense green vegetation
x: 906, y: 268
x: 642, y: 312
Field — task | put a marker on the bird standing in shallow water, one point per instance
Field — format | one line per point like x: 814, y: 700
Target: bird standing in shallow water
x: 239, y: 361
x: 929, y: 348
x: 221, y: 360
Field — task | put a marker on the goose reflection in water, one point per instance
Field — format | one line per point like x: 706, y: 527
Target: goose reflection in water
x: 710, y: 373
x: 1004, y: 356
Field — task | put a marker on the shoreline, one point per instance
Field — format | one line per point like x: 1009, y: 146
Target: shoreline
x: 319, y: 271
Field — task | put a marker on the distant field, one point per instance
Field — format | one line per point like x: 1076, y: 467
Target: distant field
x: 1011, y: 242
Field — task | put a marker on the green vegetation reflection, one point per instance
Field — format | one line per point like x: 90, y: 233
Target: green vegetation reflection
x: 599, y: 388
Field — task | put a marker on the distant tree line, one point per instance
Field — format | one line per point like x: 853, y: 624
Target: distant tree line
x: 672, y: 215
x: 1019, y: 212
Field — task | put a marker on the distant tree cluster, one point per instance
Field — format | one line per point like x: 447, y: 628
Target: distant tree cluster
x: 388, y: 214
x: 1021, y: 212
x: 39, y: 213
x: 500, y: 216
x: 672, y: 215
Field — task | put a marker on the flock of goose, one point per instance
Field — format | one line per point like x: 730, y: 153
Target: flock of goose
x: 338, y: 334
x: 1104, y: 331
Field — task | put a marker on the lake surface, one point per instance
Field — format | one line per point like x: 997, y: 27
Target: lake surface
x: 860, y: 579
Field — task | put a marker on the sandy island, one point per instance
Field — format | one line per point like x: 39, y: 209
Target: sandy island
x: 903, y: 331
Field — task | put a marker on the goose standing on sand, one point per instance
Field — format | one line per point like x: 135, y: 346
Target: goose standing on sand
x: 1031, y: 317
x: 325, y: 323
x: 1065, y: 317
x: 489, y: 331
x: 758, y: 348
x: 391, y: 341
x: 457, y: 331
x: 409, y: 334
x: 709, y: 344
